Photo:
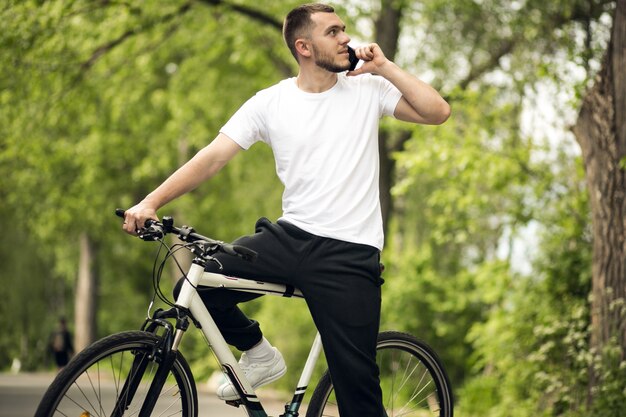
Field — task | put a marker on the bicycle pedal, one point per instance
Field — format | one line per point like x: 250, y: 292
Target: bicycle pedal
x: 234, y: 403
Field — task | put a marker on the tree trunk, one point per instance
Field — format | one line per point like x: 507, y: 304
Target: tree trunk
x: 86, y: 294
x: 387, y: 33
x: 601, y: 132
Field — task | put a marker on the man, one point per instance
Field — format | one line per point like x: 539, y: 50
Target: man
x: 322, y: 127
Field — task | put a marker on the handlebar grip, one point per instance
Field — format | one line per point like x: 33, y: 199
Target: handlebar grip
x: 122, y: 213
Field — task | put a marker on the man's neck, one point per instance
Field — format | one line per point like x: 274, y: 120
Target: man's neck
x: 316, y: 81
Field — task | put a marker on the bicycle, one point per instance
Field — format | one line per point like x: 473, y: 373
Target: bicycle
x: 143, y: 372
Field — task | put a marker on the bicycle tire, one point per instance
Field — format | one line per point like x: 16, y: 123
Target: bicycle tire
x: 90, y: 384
x: 413, y: 381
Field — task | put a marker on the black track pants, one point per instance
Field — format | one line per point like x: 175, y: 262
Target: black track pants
x: 341, y: 285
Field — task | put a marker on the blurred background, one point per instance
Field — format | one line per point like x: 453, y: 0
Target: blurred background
x: 496, y: 254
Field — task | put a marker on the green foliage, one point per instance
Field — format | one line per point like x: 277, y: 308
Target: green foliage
x: 463, y: 186
x: 27, y: 286
x: 532, y: 347
x: 105, y: 101
x: 610, y: 392
x: 468, y: 177
x: 532, y: 358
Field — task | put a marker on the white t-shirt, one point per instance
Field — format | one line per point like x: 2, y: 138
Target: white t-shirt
x: 326, y: 151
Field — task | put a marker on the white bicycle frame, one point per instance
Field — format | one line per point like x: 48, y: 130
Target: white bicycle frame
x: 189, y: 299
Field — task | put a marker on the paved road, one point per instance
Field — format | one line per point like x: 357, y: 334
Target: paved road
x: 20, y: 395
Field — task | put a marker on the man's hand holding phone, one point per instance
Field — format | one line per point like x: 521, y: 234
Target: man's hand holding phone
x: 372, y: 56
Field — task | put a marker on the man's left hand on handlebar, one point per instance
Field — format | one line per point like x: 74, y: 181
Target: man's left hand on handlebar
x: 136, y: 216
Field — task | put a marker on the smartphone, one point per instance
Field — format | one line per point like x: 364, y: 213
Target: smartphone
x: 353, y: 59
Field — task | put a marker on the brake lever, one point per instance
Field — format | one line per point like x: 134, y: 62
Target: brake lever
x: 153, y: 231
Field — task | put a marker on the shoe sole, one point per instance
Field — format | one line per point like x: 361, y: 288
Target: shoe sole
x: 258, y: 384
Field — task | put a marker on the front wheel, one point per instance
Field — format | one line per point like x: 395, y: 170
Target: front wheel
x: 112, y: 378
x: 412, y: 379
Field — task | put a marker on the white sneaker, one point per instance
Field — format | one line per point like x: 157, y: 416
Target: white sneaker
x: 258, y: 373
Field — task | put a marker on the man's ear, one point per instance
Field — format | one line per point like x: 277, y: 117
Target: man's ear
x: 303, y: 47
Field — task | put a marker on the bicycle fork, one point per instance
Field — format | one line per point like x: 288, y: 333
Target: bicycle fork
x: 164, y: 353
x: 167, y: 360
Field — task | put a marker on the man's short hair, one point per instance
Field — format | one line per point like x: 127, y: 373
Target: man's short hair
x: 298, y: 23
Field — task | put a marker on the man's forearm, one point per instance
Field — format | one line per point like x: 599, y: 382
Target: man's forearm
x: 205, y: 164
x: 183, y: 180
x: 423, y: 98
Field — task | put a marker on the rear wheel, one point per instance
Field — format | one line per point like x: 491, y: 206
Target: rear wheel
x: 412, y: 379
x: 112, y: 378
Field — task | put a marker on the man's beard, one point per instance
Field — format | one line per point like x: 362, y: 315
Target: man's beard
x: 327, y: 62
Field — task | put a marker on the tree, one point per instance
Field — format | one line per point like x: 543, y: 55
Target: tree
x: 77, y: 141
x: 525, y: 42
x: 601, y: 133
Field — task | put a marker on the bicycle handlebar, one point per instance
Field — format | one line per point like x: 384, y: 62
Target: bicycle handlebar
x: 155, y: 230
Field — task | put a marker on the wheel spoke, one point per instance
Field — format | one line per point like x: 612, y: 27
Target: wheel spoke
x: 75, y: 401
x: 100, y: 388
x: 85, y: 395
